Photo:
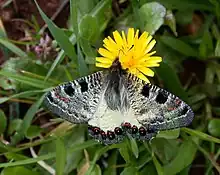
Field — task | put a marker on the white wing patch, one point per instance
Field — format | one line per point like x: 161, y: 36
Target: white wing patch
x: 107, y: 119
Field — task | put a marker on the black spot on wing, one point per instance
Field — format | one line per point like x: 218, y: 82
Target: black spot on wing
x: 146, y: 90
x: 49, y: 96
x: 69, y: 89
x: 184, y: 111
x: 83, y: 84
x: 161, y: 97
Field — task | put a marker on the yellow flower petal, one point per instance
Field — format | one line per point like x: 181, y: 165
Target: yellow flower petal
x: 103, y: 65
x: 133, y: 53
x: 153, y: 65
x: 151, y: 53
x: 150, y: 46
x: 143, y: 36
x: 130, y: 38
x: 142, y: 76
x: 124, y: 38
x: 155, y: 59
x: 109, y: 44
x: 149, y: 38
x: 112, y: 41
x: 118, y: 38
x: 104, y: 60
x: 106, y: 53
x: 146, y: 71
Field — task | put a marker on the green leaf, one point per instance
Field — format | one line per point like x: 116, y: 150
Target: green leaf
x: 14, y: 125
x: 179, y: 46
x: 206, y: 46
x: 158, y: 166
x: 88, y: 51
x: 3, y: 121
x: 16, y: 50
x: 165, y: 149
x: 15, y: 156
x: 59, y: 36
x: 75, y: 137
x: 103, y: 13
x: 153, y: 15
x: 209, y: 74
x: 170, y: 134
x: 184, y: 158
x: 171, y: 21
x: 17, y: 171
x: 197, y: 98
x: 217, y: 48
x: 129, y: 171
x: 110, y: 169
x: 89, y: 33
x: 201, y: 135
x: 148, y: 169
x: 19, y: 135
x: 101, y: 152
x: 125, y: 154
x: 3, y: 34
x: 213, y: 127
x: 134, y: 147
x: 96, y: 170
x: 171, y: 80
x: 82, y: 69
x: 33, y: 131
x: 60, y: 157
x: 187, y: 5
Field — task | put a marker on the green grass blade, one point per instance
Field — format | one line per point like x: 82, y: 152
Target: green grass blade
x: 27, y: 80
x: 13, y: 48
x: 179, y: 46
x: 76, y: 147
x: 201, y: 135
x: 59, y: 36
x: 57, y: 61
x: 60, y: 156
x: 23, y: 94
x: 73, y: 16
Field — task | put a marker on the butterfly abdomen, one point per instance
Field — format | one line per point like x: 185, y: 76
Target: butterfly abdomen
x: 116, y: 92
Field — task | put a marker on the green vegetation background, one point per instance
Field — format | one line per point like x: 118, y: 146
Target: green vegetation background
x: 188, y: 39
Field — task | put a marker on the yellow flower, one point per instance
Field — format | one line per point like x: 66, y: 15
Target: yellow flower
x: 132, y: 51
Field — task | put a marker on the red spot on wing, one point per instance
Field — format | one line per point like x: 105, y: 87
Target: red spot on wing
x: 61, y: 98
x: 171, y: 109
x: 178, y: 101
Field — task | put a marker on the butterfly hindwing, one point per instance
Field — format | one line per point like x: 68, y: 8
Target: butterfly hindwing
x: 76, y: 101
x: 155, y: 108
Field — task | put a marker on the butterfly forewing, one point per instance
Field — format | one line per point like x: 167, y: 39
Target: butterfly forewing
x: 76, y: 101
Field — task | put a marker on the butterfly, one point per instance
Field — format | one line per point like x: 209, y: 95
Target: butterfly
x: 115, y: 103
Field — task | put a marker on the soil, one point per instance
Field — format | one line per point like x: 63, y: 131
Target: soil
x: 17, y: 12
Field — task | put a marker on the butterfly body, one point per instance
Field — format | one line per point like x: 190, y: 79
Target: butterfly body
x: 115, y: 103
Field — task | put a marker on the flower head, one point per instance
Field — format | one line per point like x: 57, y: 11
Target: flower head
x: 133, y: 53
